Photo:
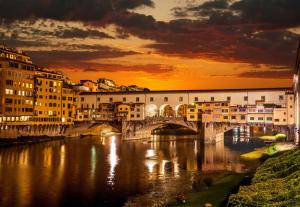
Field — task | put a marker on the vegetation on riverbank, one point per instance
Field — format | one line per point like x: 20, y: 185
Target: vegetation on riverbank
x: 277, y: 137
x: 268, y: 151
x: 213, y: 190
x: 276, y: 183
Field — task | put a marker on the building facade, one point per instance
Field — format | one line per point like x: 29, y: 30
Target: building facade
x: 33, y: 96
x: 16, y: 87
x: 253, y: 106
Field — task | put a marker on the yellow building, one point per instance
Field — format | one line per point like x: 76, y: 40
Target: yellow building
x: 290, y: 109
x: 238, y: 114
x: 69, y: 104
x: 16, y: 87
x: 48, y: 103
x: 214, y: 111
x: 225, y: 112
x: 280, y: 116
x: 123, y: 111
x: 194, y: 112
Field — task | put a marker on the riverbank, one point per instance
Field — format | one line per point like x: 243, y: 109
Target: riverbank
x: 28, y: 140
x: 213, y: 190
x: 275, y: 183
x: 268, y: 151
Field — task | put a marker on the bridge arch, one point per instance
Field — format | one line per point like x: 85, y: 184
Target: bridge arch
x: 180, y: 110
x: 152, y: 110
x: 162, y: 125
x: 166, y: 111
x: 145, y: 129
x: 101, y: 129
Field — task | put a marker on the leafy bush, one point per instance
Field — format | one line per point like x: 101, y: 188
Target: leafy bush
x: 276, y: 183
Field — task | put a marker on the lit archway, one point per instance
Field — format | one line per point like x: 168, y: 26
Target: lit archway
x: 181, y: 110
x: 166, y: 111
x: 151, y: 110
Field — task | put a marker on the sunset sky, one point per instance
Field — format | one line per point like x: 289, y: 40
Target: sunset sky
x: 159, y: 44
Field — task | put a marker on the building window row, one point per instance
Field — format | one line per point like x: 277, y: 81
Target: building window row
x: 19, y: 92
x: 13, y: 119
x: 25, y: 110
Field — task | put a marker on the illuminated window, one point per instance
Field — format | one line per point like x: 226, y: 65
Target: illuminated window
x: 9, y: 91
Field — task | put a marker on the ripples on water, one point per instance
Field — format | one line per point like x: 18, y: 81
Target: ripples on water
x: 106, y: 171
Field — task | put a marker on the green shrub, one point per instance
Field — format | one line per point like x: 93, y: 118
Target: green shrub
x: 276, y: 183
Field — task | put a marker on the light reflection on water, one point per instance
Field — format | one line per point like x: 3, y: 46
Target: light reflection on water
x: 113, y: 161
x: 106, y: 171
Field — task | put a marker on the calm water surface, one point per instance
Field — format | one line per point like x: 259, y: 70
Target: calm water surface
x: 108, y: 172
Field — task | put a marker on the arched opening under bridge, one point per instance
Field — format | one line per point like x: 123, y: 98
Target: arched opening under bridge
x: 173, y: 129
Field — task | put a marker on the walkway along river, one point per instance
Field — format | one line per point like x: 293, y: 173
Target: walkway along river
x: 107, y: 172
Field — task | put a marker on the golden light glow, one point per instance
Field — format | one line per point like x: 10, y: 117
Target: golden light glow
x: 113, y: 161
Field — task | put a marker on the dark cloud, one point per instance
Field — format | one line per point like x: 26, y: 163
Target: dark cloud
x: 262, y: 13
x: 148, y: 68
x: 269, y: 74
x: 228, y: 43
x: 80, y: 33
x: 75, y: 55
x: 18, y: 43
x: 245, y: 31
x: 85, y: 61
x: 215, y: 4
x: 64, y: 32
x: 279, y: 12
x: 75, y: 10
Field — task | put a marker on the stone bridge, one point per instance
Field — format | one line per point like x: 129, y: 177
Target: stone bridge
x: 143, y: 129
x: 133, y: 130
x: 209, y: 132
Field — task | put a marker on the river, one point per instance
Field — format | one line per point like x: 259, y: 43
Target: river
x: 108, y: 172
